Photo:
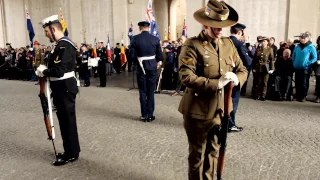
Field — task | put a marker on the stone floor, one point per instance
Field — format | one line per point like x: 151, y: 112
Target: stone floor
x: 281, y: 140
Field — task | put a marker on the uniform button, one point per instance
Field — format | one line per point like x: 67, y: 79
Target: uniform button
x: 221, y: 70
x: 220, y: 92
x: 196, y: 94
x: 207, y: 65
x: 220, y: 59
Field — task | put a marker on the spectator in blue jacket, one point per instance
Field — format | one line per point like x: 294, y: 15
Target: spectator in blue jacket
x: 304, y: 55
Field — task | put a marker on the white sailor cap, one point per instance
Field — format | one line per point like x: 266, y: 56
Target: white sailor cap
x: 49, y: 20
x: 100, y: 41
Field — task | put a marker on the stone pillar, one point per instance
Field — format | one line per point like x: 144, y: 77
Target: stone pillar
x: 75, y: 24
x: 161, y: 13
x: 173, y: 20
x: 120, y: 21
x: 194, y: 27
x: 3, y: 34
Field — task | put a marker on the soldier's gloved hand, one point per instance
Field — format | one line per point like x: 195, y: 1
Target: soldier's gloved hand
x: 159, y: 63
x: 228, y: 77
x: 271, y: 71
x: 40, y: 70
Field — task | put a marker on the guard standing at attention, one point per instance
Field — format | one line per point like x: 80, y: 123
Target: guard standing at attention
x: 102, y: 66
x: 237, y: 33
x: 64, y: 87
x: 145, y: 49
x: 84, y: 69
x: 208, y: 62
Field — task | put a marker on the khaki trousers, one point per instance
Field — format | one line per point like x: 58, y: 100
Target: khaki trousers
x: 203, y: 147
x: 262, y: 80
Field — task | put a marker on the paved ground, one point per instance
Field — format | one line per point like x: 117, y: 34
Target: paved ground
x: 281, y: 140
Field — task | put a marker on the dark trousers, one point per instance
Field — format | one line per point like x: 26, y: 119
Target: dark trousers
x: 102, y: 69
x: 244, y: 86
x: 86, y: 76
x: 318, y: 86
x: 167, y: 77
x: 282, y: 85
x: 64, y: 96
x: 146, y: 84
x: 179, y: 85
x: 302, y: 83
x: 129, y: 65
x: 254, y: 85
x: 235, y: 101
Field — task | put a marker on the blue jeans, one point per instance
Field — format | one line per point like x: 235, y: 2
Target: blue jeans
x: 235, y: 101
x: 302, y: 83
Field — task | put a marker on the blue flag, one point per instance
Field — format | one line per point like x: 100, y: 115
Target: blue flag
x: 30, y: 28
x: 130, y: 34
x: 152, y: 20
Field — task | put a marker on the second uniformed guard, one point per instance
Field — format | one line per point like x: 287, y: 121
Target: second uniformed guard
x: 207, y: 62
x: 263, y: 65
x: 145, y: 49
x: 102, y: 66
x: 236, y: 33
x: 84, y: 69
x: 64, y: 87
x: 39, y: 56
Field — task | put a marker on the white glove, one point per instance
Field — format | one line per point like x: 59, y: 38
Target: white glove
x: 271, y: 71
x: 40, y: 70
x: 318, y: 62
x: 159, y: 63
x: 228, y: 77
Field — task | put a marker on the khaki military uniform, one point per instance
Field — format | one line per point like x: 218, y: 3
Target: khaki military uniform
x: 263, y: 61
x: 164, y: 55
x: 201, y: 65
x: 39, y: 59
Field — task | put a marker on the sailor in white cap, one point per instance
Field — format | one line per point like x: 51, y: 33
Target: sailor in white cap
x: 63, y: 85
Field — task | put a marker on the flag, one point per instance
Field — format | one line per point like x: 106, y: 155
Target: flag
x: 29, y: 27
x: 109, y: 50
x: 169, y: 34
x: 151, y: 19
x: 185, y: 28
x: 94, y: 50
x: 123, y: 56
x: 130, y: 32
x: 64, y: 24
x: 165, y: 35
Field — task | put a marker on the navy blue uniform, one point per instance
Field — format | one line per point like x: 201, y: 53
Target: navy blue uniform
x: 85, y: 73
x: 247, y: 62
x: 146, y: 45
x: 102, y: 66
x: 64, y: 92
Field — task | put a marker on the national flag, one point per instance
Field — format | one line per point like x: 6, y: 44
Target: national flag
x: 109, y: 54
x: 64, y: 24
x: 185, y: 28
x: 94, y: 50
x: 169, y: 38
x: 151, y: 19
x: 165, y: 35
x: 29, y: 27
x: 123, y: 56
x: 130, y: 32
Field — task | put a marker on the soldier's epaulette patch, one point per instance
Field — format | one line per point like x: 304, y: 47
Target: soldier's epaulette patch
x: 186, y: 60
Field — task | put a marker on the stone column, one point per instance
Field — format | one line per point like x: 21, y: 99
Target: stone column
x: 75, y: 24
x: 3, y: 34
x: 120, y: 21
x: 173, y: 19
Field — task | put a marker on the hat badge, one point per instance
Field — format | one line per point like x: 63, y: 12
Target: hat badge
x: 207, y: 11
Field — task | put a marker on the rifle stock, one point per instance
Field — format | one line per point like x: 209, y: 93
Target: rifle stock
x: 45, y: 108
x: 225, y: 115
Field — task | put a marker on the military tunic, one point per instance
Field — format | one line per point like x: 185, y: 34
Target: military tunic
x: 39, y: 59
x: 201, y: 65
x: 263, y: 61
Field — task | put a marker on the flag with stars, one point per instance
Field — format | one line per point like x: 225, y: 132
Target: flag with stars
x: 151, y: 19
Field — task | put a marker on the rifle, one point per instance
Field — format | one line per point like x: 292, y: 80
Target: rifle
x: 225, y: 115
x: 47, y: 110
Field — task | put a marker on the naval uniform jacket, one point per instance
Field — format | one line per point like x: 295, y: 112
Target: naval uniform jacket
x: 201, y: 66
x: 61, y: 61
